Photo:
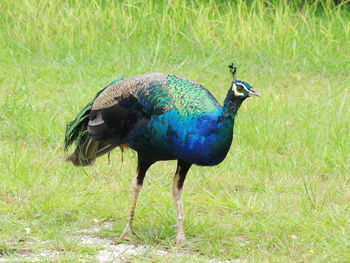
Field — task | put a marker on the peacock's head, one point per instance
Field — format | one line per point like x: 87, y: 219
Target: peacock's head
x: 239, y: 88
x: 243, y: 89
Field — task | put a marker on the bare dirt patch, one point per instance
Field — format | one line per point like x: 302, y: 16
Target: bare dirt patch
x: 119, y: 253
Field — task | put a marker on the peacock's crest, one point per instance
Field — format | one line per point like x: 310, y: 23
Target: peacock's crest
x: 241, y: 88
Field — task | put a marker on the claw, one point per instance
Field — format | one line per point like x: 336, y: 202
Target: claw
x: 125, y: 236
x: 120, y: 240
x: 180, y: 240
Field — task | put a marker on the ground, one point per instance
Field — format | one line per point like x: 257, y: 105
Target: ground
x: 281, y: 195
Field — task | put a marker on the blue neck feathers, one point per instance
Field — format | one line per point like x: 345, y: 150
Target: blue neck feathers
x: 231, y: 105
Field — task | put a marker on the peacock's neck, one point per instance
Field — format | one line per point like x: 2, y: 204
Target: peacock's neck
x: 231, y: 106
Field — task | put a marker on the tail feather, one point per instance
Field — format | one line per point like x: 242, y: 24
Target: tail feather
x: 87, y: 149
x: 85, y: 154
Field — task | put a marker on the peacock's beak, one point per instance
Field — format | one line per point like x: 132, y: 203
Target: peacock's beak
x: 253, y: 92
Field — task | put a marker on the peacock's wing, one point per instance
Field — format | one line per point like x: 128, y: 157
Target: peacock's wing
x: 123, y: 106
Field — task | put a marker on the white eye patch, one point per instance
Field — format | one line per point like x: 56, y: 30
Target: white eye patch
x: 239, y: 88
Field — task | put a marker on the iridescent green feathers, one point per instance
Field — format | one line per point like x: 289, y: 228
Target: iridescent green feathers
x: 76, y: 132
x: 169, y: 92
x: 76, y: 129
x: 190, y: 97
x: 160, y: 92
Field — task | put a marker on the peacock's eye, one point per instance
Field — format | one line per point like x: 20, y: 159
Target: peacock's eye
x: 240, y: 88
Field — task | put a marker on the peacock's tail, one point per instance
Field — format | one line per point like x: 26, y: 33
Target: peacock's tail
x: 87, y: 149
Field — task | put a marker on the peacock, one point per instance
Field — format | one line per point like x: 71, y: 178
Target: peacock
x: 161, y: 117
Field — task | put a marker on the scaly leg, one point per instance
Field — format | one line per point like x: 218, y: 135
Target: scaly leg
x: 128, y: 228
x: 180, y: 175
x: 142, y: 167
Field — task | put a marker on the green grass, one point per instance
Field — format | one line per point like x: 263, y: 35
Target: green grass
x: 283, y: 192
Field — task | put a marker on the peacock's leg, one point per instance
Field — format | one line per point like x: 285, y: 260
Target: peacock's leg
x: 180, y: 175
x: 128, y: 228
x: 142, y: 167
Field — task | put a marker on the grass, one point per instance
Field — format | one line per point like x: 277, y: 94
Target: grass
x: 281, y: 195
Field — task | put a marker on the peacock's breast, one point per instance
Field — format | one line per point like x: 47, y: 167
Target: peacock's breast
x: 198, y: 138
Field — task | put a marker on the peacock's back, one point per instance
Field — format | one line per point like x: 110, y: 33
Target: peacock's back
x: 158, y: 93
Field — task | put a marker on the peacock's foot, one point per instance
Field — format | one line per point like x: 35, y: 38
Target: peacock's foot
x: 180, y: 240
x: 127, y: 235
